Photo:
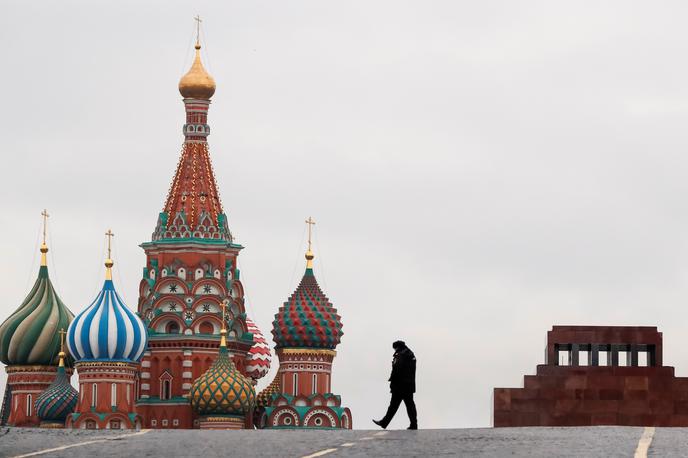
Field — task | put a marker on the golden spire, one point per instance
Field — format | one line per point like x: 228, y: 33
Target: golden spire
x: 44, y: 247
x: 309, y: 253
x: 223, y: 331
x: 197, y: 83
x: 108, y: 262
x: 62, y: 353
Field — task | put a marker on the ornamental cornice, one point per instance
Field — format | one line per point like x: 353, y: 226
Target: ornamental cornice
x: 32, y: 368
x: 306, y: 351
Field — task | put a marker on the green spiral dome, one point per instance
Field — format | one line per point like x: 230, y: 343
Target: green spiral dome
x: 31, y: 334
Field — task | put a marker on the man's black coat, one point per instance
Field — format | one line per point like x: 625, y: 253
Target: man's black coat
x: 403, y: 378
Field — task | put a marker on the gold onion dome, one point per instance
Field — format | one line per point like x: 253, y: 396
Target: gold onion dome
x: 222, y: 389
x: 197, y: 83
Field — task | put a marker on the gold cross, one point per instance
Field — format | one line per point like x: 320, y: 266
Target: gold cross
x: 45, y: 215
x: 224, y: 311
x: 310, y: 223
x: 198, y: 28
x: 109, y: 234
x: 62, y: 333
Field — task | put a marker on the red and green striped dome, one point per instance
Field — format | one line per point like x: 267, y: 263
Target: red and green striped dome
x: 307, y: 319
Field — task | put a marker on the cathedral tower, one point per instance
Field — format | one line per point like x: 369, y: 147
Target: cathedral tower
x: 306, y: 331
x: 29, y: 346
x: 191, y: 269
x: 107, y: 340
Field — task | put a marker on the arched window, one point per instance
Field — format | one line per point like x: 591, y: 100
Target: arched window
x: 166, y: 390
x: 206, y: 328
x: 315, y: 383
x: 296, y: 384
x: 172, y: 327
x: 113, y: 395
x: 29, y: 404
x: 94, y: 394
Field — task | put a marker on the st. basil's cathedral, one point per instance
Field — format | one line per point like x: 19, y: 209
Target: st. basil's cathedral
x: 189, y: 356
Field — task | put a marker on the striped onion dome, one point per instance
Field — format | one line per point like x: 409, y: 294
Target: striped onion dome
x: 222, y: 389
x: 258, y: 357
x: 30, y: 335
x: 307, y: 319
x: 107, y: 330
x: 59, y: 399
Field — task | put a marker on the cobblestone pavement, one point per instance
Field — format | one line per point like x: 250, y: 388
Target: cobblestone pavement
x: 479, y: 442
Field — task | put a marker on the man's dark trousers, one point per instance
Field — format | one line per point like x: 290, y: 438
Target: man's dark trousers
x: 394, y: 404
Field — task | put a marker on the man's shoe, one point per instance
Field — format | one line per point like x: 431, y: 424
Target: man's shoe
x: 379, y: 423
x: 413, y: 427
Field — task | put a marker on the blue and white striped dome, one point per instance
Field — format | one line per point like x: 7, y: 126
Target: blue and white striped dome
x: 107, y: 330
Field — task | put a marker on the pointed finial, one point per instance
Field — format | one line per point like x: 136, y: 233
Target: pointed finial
x: 62, y: 353
x: 309, y: 253
x: 223, y: 331
x: 108, y: 262
x: 44, y: 247
x: 198, y: 31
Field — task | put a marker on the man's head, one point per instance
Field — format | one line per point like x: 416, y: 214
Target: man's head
x: 399, y: 345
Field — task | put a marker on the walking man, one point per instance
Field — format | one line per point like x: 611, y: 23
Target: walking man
x: 402, y: 384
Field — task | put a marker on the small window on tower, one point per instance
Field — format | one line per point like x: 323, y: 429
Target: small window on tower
x: 166, y: 390
x: 172, y: 328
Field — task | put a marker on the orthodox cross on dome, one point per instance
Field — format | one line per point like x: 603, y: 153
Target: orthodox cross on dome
x: 223, y: 331
x: 309, y: 253
x: 224, y: 313
x: 108, y: 262
x: 109, y: 234
x: 198, y: 28
x: 45, y: 216
x: 62, y: 333
x: 310, y: 223
x: 44, y: 247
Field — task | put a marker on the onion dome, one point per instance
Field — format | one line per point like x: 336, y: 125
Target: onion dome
x: 60, y: 398
x: 307, y: 319
x: 264, y: 398
x: 30, y: 334
x: 107, y: 330
x: 259, y: 356
x: 222, y: 389
x: 197, y: 83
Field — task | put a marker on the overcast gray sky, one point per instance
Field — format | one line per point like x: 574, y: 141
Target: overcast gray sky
x: 478, y: 171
